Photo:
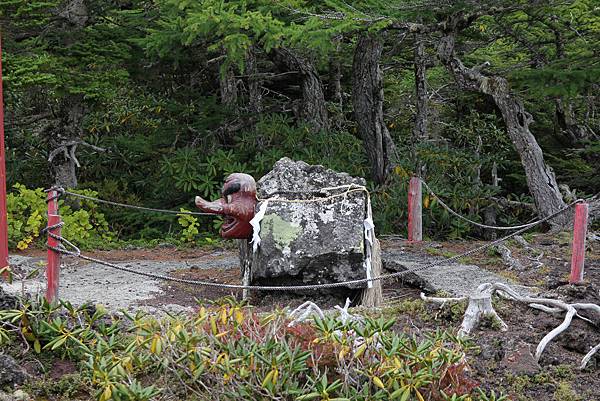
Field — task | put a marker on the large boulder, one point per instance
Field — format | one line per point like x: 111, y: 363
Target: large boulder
x: 313, y: 228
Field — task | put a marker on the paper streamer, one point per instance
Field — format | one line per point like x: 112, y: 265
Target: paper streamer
x: 255, y: 223
x: 369, y: 235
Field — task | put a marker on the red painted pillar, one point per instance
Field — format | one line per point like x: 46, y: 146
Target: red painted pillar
x: 415, y: 221
x: 579, y: 233
x: 3, y: 213
x: 53, y: 267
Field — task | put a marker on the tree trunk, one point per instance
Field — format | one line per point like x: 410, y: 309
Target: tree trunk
x: 228, y: 90
x: 540, y: 177
x: 420, y: 128
x: 254, y: 89
x: 566, y: 123
x: 65, y: 132
x: 367, y: 100
x: 313, y: 109
x: 335, y: 77
x: 228, y: 87
x: 63, y: 137
x: 75, y: 12
x: 568, y: 126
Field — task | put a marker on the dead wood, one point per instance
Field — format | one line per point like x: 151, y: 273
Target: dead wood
x: 480, y: 305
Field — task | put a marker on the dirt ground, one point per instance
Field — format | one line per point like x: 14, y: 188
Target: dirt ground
x: 501, y: 360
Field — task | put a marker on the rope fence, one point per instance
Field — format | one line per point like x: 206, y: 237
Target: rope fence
x: 456, y: 214
x: 58, y: 245
x: 61, y: 191
x: 77, y: 253
x: 352, y: 188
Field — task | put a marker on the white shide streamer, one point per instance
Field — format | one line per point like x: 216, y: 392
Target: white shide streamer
x: 255, y: 223
x: 369, y: 235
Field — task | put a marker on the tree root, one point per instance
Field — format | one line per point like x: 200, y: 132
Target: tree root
x: 589, y: 356
x: 514, y: 263
x: 480, y: 305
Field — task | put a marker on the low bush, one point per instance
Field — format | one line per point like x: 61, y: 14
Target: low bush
x: 228, y: 351
x: 27, y: 216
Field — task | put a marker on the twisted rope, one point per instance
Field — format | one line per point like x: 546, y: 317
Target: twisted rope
x: 349, y: 189
x: 62, y: 191
x: 76, y: 251
x: 507, y: 228
x: 313, y: 286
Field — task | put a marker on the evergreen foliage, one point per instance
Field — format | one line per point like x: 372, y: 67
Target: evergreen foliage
x: 150, y: 75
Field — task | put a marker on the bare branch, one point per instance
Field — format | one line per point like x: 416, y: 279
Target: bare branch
x: 68, y: 149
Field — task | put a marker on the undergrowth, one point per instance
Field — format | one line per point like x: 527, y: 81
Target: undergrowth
x: 228, y: 351
x: 27, y: 216
x: 85, y: 224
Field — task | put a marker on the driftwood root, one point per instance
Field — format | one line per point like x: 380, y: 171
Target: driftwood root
x: 480, y: 305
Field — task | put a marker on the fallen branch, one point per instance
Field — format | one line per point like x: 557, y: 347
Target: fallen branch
x: 442, y: 300
x: 507, y: 203
x: 305, y: 311
x: 480, y: 305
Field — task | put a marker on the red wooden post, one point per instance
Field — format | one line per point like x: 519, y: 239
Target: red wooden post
x: 53, y: 267
x: 415, y: 221
x: 3, y: 213
x: 579, y: 233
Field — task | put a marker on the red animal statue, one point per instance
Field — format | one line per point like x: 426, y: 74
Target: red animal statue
x: 237, y: 204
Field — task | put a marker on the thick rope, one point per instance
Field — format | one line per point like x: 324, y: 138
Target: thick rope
x: 76, y: 251
x: 349, y: 189
x: 147, y: 209
x: 273, y: 198
x: 451, y: 211
x: 314, y: 286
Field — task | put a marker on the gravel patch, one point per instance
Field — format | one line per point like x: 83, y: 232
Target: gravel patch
x: 116, y: 290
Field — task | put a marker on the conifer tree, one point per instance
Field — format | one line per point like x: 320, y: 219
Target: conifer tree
x: 63, y: 57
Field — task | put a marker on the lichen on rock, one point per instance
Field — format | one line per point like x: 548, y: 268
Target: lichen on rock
x: 283, y: 232
x: 313, y: 228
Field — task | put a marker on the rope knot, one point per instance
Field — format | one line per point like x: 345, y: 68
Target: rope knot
x: 60, y: 191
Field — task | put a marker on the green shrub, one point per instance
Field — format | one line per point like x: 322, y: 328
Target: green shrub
x: 26, y: 209
x: 189, y: 226
x: 84, y: 224
x: 229, y: 351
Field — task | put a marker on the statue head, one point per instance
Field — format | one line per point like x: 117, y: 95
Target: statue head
x: 237, y: 204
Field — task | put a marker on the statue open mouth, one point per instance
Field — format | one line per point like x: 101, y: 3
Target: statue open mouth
x: 237, y: 204
x: 229, y: 223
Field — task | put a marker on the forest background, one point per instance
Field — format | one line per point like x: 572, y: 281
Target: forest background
x: 151, y: 102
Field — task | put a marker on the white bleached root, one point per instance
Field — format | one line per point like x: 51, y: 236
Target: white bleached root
x: 304, y: 312
x: 480, y: 305
x: 309, y: 309
x: 589, y: 356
